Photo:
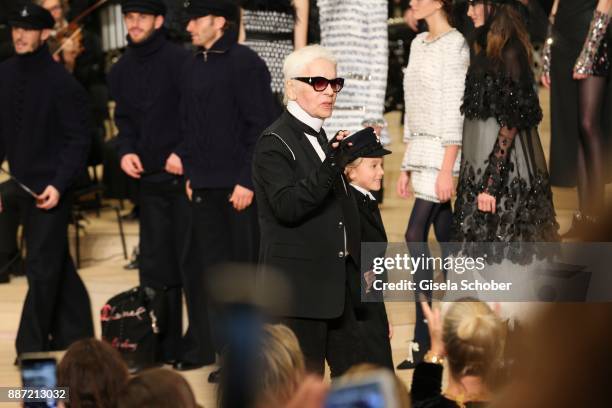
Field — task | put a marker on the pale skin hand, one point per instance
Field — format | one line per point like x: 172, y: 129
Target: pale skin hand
x: 48, y: 199
x: 300, y: 32
x: 339, y: 136
x: 444, y: 185
x: 434, y: 324
x: 486, y: 203
x: 174, y: 165
x: 188, y: 190
x: 369, y: 278
x: 241, y: 198
x: 444, y: 182
x: 131, y: 165
x: 403, y: 185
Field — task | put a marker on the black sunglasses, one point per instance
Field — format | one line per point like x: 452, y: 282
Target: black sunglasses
x: 319, y: 84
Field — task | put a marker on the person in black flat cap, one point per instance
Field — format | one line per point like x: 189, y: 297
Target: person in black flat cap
x: 365, y: 175
x: 144, y: 83
x: 226, y: 103
x: 45, y: 135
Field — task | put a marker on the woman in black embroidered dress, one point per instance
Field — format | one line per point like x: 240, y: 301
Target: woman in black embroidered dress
x: 504, y: 192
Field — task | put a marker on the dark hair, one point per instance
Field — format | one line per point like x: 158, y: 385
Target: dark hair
x: 95, y: 373
x: 447, y: 7
x: 503, y: 23
x: 157, y: 388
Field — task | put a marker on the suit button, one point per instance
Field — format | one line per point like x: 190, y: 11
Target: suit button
x: 341, y: 254
x: 198, y: 199
x: 340, y: 224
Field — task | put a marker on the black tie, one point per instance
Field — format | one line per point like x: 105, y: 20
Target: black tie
x: 372, y: 204
x: 322, y: 138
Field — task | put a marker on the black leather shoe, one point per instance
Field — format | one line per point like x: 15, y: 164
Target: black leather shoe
x: 215, y: 376
x: 186, y: 366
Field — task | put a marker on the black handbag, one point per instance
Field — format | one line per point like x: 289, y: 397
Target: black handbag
x: 132, y: 322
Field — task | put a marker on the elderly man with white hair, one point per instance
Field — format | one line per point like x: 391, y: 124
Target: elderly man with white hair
x: 309, y: 221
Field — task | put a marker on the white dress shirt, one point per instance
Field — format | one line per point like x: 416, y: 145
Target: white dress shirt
x: 315, y: 123
x: 363, y: 191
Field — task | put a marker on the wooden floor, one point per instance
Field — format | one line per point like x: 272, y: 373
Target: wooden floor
x: 104, y: 276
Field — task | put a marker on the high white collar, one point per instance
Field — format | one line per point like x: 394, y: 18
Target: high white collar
x: 363, y: 191
x: 303, y: 116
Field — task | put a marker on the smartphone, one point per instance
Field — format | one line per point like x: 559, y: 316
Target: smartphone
x: 375, y: 390
x: 39, y: 372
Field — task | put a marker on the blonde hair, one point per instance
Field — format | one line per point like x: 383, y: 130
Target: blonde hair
x: 282, y: 366
x: 352, y: 165
x: 362, y: 370
x: 474, y: 338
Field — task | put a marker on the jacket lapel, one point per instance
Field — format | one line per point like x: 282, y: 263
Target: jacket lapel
x: 303, y: 141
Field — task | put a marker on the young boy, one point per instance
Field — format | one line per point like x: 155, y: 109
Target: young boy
x: 365, y: 175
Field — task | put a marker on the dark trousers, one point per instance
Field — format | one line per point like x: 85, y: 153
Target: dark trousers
x: 9, y: 250
x: 165, y: 232
x: 371, y: 318
x: 339, y: 341
x: 56, y: 311
x: 220, y: 234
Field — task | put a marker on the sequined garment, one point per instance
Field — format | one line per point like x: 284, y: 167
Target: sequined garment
x: 357, y: 34
x: 593, y: 59
x: 269, y: 32
x: 502, y: 155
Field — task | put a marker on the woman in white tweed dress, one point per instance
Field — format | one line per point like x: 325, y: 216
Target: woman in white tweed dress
x: 433, y: 88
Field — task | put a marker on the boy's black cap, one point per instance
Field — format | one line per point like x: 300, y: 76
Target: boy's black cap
x: 222, y: 8
x: 365, y: 143
x: 155, y: 7
x: 31, y: 16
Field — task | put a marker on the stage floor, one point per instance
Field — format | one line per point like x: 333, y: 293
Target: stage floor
x: 104, y: 276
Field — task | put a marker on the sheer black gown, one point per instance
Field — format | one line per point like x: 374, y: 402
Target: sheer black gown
x: 502, y: 154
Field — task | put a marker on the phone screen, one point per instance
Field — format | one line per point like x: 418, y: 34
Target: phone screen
x: 369, y: 395
x: 39, y: 373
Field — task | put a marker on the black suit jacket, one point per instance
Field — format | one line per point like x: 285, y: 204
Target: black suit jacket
x: 372, y: 229
x: 304, y: 208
